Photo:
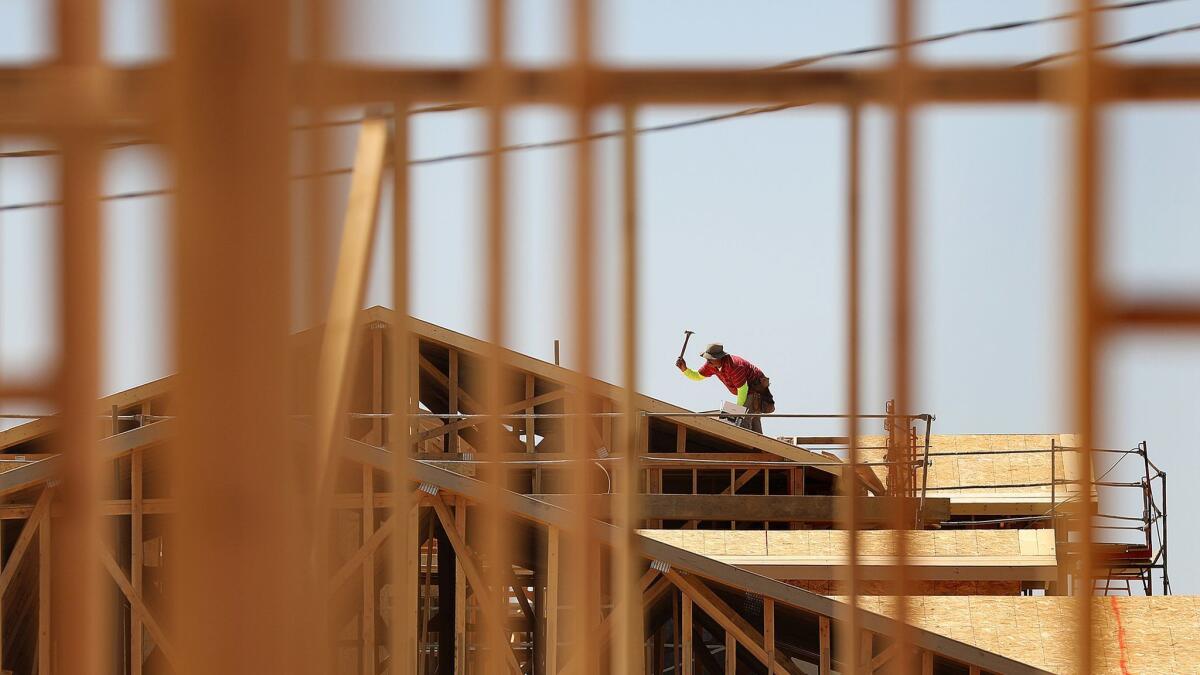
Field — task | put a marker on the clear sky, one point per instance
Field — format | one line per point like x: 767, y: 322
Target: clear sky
x: 742, y: 222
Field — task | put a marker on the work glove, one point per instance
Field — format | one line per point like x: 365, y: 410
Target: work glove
x: 680, y: 363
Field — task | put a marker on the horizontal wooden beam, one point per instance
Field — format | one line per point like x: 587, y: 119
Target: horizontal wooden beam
x: 773, y: 508
x: 954, y: 84
x: 1154, y: 314
x: 51, y: 97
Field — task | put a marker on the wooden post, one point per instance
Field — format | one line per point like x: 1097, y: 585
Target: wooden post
x: 676, y: 646
x: 769, y: 633
x: 367, y: 618
x: 686, y: 637
x: 551, y: 611
x: 926, y: 662
x: 974, y: 670
x: 412, y: 578
x: 136, y: 509
x: 447, y: 601
x: 460, y: 595
x: 825, y: 650
x: 44, y: 652
x: 866, y: 648
x: 730, y: 654
x: 450, y: 444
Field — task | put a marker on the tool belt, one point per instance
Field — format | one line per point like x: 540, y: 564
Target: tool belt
x: 760, y: 388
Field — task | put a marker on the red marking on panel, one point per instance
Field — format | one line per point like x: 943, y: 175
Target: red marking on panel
x: 1112, y: 601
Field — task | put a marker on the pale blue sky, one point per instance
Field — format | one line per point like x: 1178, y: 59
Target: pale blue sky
x: 990, y: 307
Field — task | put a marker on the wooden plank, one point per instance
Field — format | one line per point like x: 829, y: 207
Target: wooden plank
x: 769, y: 633
x: 530, y: 440
x: 135, y: 601
x: 882, y: 658
x: 730, y: 654
x: 773, y: 508
x: 460, y: 596
x: 685, y: 632
x: 866, y: 647
x: 722, y: 613
x: 338, y: 344
x: 367, y: 616
x: 45, y: 574
x: 25, y: 538
x: 356, y: 560
x: 368, y: 547
x: 137, y: 507
x: 451, y: 444
x: 473, y: 572
x: 826, y: 652
x: 552, y: 595
x: 926, y: 662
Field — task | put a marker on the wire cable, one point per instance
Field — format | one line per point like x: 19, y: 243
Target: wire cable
x: 746, y: 112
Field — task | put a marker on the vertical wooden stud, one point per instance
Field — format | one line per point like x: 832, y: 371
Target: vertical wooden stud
x: 450, y: 444
x: 460, y: 596
x: 926, y: 662
x: 228, y: 124
x: 866, y: 647
x: 136, y: 509
x: 730, y: 654
x: 552, y: 595
x: 769, y: 633
x: 685, y: 635
x: 826, y: 651
x: 44, y: 641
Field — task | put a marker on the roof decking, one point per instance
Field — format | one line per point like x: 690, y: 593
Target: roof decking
x: 1157, y: 634
x: 996, y: 482
x: 1024, y: 555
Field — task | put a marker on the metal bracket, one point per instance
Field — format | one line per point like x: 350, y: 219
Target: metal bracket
x: 428, y: 489
x: 660, y: 566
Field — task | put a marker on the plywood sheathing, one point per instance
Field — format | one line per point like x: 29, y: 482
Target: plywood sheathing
x: 1161, y: 634
x: 920, y: 587
x: 872, y: 543
x: 959, y: 558
x: 989, y: 470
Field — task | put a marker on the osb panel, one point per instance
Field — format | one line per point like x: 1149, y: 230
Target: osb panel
x: 1158, y: 634
x: 985, y: 471
x: 920, y: 588
x: 835, y: 543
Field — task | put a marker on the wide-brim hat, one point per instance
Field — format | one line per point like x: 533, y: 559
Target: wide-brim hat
x: 714, y: 351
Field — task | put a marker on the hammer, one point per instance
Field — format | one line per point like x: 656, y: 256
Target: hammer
x: 687, y: 335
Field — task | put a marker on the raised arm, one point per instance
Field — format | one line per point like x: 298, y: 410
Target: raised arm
x: 688, y: 372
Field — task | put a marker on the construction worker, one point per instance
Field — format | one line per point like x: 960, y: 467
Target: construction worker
x: 740, y: 377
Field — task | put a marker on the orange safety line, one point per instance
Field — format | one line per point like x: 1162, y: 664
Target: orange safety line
x: 1112, y: 600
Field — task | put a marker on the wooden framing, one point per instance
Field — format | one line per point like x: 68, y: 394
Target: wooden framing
x: 374, y: 458
x: 224, y: 122
x: 746, y: 635
x: 471, y: 569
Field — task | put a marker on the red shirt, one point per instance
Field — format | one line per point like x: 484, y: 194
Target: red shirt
x: 734, y: 372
